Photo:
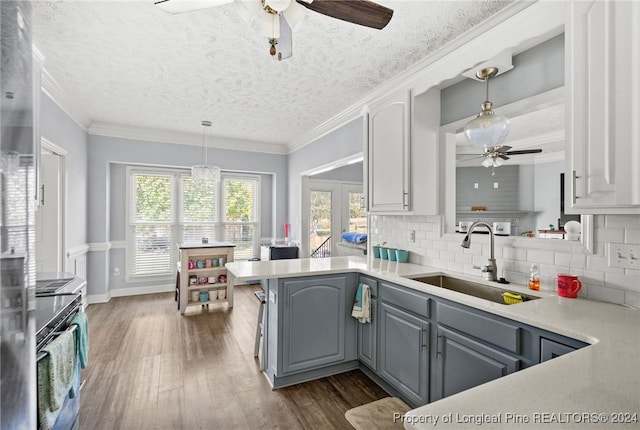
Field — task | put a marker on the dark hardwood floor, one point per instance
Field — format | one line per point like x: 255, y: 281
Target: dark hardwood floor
x: 152, y: 368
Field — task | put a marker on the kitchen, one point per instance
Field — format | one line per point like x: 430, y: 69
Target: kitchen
x: 97, y: 158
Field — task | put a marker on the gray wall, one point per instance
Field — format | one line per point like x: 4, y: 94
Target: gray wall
x: 535, y: 71
x: 505, y: 197
x: 107, y: 158
x: 340, y: 143
x: 350, y: 173
x: 58, y: 128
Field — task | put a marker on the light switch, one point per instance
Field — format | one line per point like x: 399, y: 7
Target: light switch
x: 495, y: 185
x: 624, y: 255
x: 475, y: 186
x: 272, y: 297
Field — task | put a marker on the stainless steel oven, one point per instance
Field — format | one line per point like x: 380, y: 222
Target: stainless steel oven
x: 54, y: 313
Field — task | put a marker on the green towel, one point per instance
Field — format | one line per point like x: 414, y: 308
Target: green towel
x: 82, y: 337
x: 55, y: 377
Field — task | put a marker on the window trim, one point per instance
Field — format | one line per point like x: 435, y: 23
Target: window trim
x: 177, y: 224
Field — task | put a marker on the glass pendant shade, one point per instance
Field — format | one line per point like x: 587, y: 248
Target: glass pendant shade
x: 487, y: 129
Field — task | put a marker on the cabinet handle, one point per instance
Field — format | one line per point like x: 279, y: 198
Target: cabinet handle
x: 439, y: 345
x: 573, y: 188
x: 42, y: 195
x: 405, y: 200
x: 423, y: 336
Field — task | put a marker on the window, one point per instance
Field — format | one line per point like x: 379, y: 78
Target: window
x: 166, y: 207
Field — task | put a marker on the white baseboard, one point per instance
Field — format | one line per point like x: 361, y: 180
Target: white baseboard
x: 134, y: 291
x: 98, y: 298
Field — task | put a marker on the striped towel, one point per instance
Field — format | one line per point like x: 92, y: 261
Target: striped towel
x: 362, y: 304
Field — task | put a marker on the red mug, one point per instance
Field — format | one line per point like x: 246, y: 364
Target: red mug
x: 568, y: 286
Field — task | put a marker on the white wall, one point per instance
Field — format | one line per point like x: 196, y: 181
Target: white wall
x: 600, y: 282
x: 343, y: 142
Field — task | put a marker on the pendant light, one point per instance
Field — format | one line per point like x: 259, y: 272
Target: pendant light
x: 487, y: 129
x: 204, y: 174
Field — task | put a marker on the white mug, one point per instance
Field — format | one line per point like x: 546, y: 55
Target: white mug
x: 222, y: 294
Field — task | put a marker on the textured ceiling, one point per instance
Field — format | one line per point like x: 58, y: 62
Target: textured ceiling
x: 131, y: 64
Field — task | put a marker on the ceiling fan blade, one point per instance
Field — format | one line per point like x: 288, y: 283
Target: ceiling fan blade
x: 504, y: 157
x: 503, y: 148
x: 361, y: 12
x: 524, y: 151
x: 179, y: 6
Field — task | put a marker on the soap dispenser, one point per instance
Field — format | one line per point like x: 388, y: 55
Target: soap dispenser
x: 534, y: 278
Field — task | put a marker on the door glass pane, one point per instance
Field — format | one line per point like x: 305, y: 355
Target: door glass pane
x: 357, y: 216
x: 320, y: 224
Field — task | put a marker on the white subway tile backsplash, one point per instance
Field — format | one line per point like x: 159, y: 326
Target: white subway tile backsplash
x: 622, y: 221
x: 626, y: 281
x: 600, y: 282
x: 632, y: 235
x: 538, y: 256
x: 602, y: 294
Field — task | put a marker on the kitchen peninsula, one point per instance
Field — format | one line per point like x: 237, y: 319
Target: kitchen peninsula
x: 596, y: 381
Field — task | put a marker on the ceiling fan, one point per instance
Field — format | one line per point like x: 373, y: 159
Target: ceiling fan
x: 277, y: 18
x: 494, y: 155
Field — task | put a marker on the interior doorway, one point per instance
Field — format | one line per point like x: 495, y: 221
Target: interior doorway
x: 50, y: 216
x: 335, y: 207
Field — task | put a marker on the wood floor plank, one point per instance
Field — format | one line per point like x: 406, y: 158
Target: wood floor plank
x: 152, y: 368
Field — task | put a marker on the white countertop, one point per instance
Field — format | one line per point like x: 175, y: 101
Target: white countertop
x: 588, y: 388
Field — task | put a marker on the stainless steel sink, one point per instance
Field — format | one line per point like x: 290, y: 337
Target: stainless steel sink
x: 474, y: 289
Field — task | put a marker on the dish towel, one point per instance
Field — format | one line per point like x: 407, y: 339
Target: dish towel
x: 351, y: 236
x: 55, y: 377
x: 362, y: 304
x: 82, y: 337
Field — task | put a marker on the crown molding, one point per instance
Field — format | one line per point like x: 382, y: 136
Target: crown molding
x: 193, y: 139
x: 407, y: 78
x: 61, y: 98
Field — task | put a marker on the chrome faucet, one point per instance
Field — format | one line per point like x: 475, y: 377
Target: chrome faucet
x: 490, y: 271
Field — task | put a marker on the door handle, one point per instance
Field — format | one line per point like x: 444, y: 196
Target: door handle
x: 574, y: 194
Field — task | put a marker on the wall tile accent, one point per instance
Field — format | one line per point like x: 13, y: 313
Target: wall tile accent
x: 600, y: 282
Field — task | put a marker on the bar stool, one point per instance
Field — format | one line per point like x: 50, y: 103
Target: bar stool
x: 260, y: 325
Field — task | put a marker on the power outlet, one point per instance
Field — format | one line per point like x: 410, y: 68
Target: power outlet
x: 624, y: 255
x: 412, y: 236
x: 116, y: 271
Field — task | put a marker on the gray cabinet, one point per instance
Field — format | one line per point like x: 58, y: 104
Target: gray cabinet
x: 463, y: 363
x: 367, y: 339
x: 368, y: 333
x: 550, y: 349
x: 404, y: 333
x: 316, y: 329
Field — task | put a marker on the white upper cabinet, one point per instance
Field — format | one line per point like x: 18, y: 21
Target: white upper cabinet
x: 602, y: 79
x: 403, y: 154
x: 388, y: 154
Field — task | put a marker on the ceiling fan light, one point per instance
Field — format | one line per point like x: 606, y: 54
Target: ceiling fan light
x: 277, y: 5
x: 294, y: 15
x: 487, y: 162
x: 487, y: 129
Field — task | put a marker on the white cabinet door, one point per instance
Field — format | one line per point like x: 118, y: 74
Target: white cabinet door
x: 388, y: 154
x: 603, y: 138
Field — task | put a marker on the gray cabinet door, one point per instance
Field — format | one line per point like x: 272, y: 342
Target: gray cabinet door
x: 550, y: 349
x: 367, y: 334
x: 314, y: 322
x: 462, y: 363
x: 404, y: 353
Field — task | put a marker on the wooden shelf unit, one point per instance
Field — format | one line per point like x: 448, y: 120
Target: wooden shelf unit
x: 204, y: 252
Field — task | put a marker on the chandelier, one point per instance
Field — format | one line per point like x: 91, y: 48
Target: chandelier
x: 204, y: 174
